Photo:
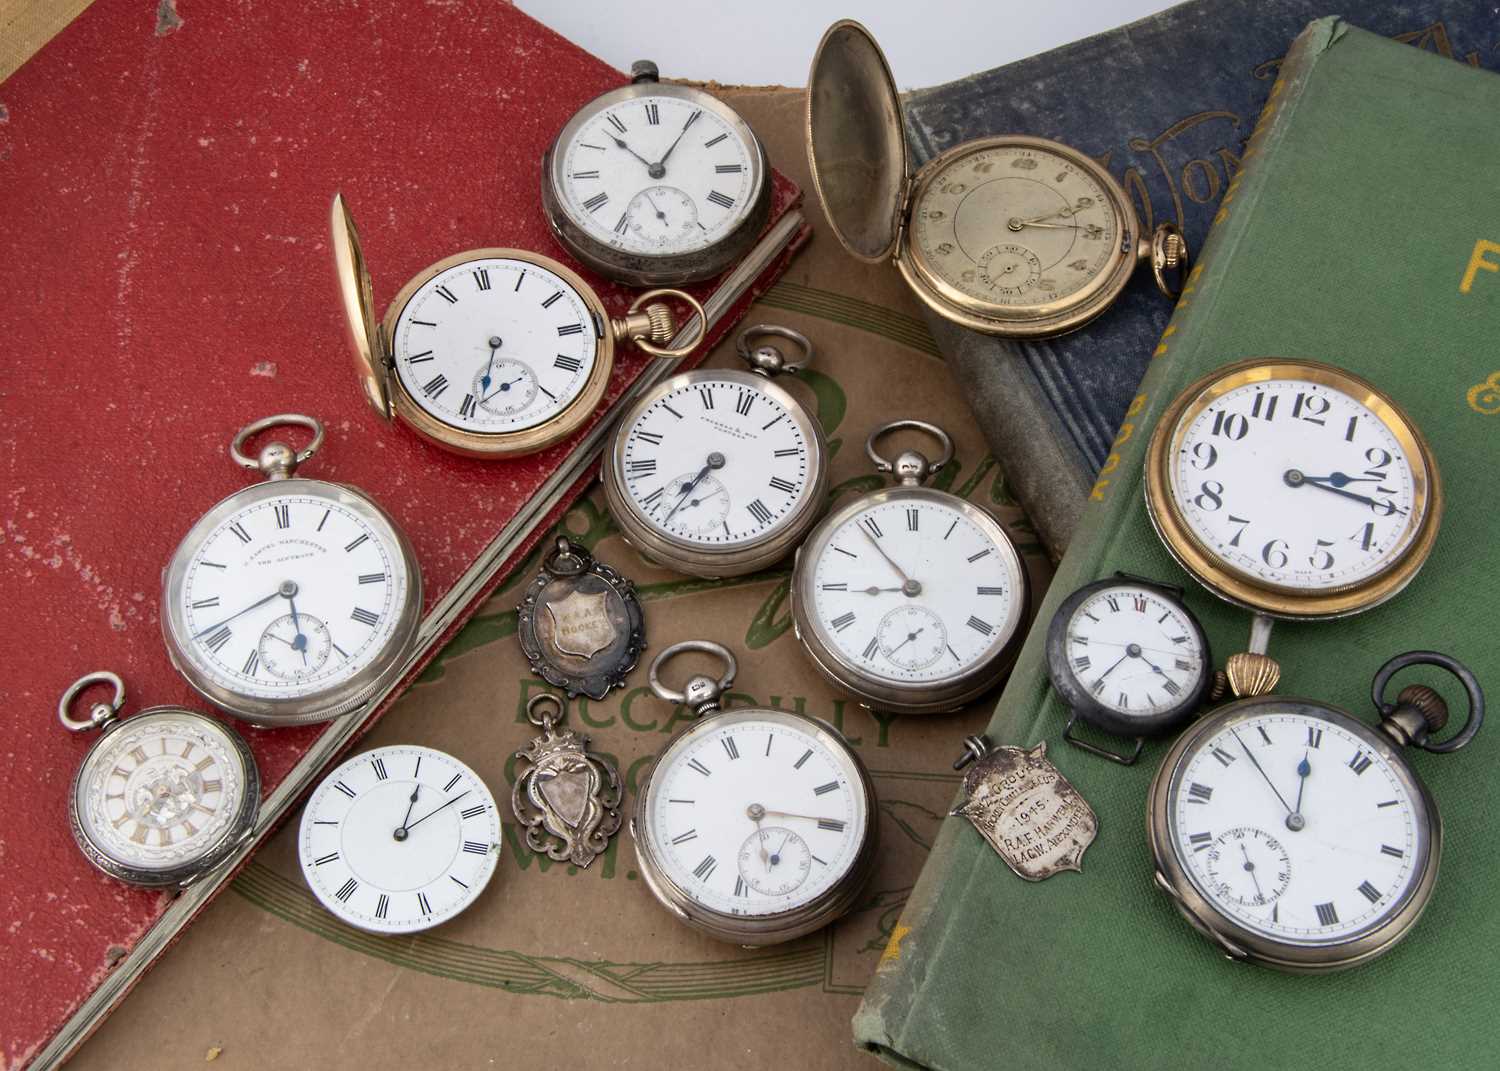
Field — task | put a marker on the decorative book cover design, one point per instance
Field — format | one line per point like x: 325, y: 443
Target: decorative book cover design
x: 166, y: 279
x: 1318, y: 253
x: 1166, y: 104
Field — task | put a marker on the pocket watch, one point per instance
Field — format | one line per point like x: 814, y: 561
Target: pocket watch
x: 910, y: 598
x: 1129, y: 658
x: 654, y: 184
x: 1011, y: 235
x: 1293, y: 488
x: 399, y: 839
x: 717, y: 472
x: 1295, y: 835
x: 163, y: 796
x: 754, y: 826
x: 293, y: 600
x: 491, y: 352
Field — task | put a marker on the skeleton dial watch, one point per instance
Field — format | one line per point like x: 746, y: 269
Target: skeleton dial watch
x: 292, y: 600
x: 910, y: 598
x: 655, y: 184
x: 1010, y: 235
x: 492, y: 352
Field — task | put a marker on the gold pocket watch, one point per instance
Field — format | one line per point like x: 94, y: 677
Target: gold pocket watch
x: 910, y: 598
x: 1294, y: 489
x: 164, y: 795
x: 1297, y: 836
x: 753, y: 825
x: 491, y: 352
x: 293, y: 600
x: 1010, y: 235
x: 716, y: 472
x: 654, y: 184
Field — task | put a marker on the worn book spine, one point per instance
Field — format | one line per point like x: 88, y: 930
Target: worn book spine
x: 899, y: 997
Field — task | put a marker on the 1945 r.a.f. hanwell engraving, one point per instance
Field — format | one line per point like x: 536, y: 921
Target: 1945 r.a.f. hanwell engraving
x: 580, y: 624
x: 569, y: 797
x: 1028, y: 811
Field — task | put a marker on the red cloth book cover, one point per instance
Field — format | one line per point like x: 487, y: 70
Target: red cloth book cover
x: 166, y: 278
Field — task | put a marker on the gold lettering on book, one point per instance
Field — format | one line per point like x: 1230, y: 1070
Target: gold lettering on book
x: 1479, y: 260
x: 1485, y: 397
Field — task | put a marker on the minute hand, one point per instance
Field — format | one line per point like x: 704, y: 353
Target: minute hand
x: 242, y: 613
x: 889, y: 560
x: 1365, y: 499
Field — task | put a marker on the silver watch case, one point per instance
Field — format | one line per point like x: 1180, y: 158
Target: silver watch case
x: 637, y: 269
x: 756, y: 930
x: 181, y: 876
x: 321, y: 706
x: 696, y: 559
x: 917, y: 697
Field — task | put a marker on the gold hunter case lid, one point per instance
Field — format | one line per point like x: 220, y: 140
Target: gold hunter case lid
x: 359, y: 310
x: 855, y: 143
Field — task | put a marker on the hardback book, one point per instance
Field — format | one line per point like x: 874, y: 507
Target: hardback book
x: 1363, y: 231
x: 1166, y: 104
x: 165, y: 279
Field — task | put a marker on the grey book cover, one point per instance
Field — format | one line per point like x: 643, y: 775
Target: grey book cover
x: 1166, y: 104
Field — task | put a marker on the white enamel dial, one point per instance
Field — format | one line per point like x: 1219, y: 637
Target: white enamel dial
x: 1134, y: 650
x: 1015, y: 226
x: 291, y: 595
x: 755, y: 815
x: 1296, y: 827
x: 913, y: 589
x: 495, y: 345
x: 658, y: 175
x: 717, y: 462
x: 161, y: 789
x: 1294, y: 483
x: 399, y: 839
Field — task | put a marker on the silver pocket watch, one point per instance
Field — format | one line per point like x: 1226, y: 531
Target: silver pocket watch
x: 293, y: 600
x: 718, y: 472
x: 163, y: 796
x: 754, y: 826
x: 654, y: 184
x: 910, y: 598
x: 1128, y: 658
x: 1294, y: 835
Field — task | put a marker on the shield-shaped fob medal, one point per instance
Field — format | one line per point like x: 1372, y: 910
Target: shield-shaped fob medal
x: 580, y: 623
x: 569, y: 797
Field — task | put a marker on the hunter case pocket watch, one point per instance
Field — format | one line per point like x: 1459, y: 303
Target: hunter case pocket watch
x: 1295, y: 835
x: 491, y: 352
x: 164, y: 795
x: 754, y: 826
x: 654, y: 184
x: 910, y: 598
x: 293, y: 600
x: 717, y: 472
x: 1128, y: 658
x: 1010, y: 235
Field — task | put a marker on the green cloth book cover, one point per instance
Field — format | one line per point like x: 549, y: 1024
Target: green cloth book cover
x: 1364, y: 231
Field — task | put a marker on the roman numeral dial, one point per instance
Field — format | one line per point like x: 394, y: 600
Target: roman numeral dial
x: 399, y: 839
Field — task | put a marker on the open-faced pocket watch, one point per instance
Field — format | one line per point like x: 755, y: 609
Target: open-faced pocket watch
x: 292, y: 600
x: 654, y: 184
x: 717, y: 472
x: 1010, y: 235
x: 1295, y: 835
x: 754, y: 826
x: 491, y: 352
x: 399, y: 839
x: 910, y: 598
x: 1294, y: 489
x: 1128, y: 658
x: 164, y: 795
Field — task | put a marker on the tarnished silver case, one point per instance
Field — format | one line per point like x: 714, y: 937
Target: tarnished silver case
x: 746, y: 930
x: 237, y: 830
x: 1234, y: 940
x: 692, y: 558
x: 322, y: 706
x: 914, y: 698
x: 638, y: 269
